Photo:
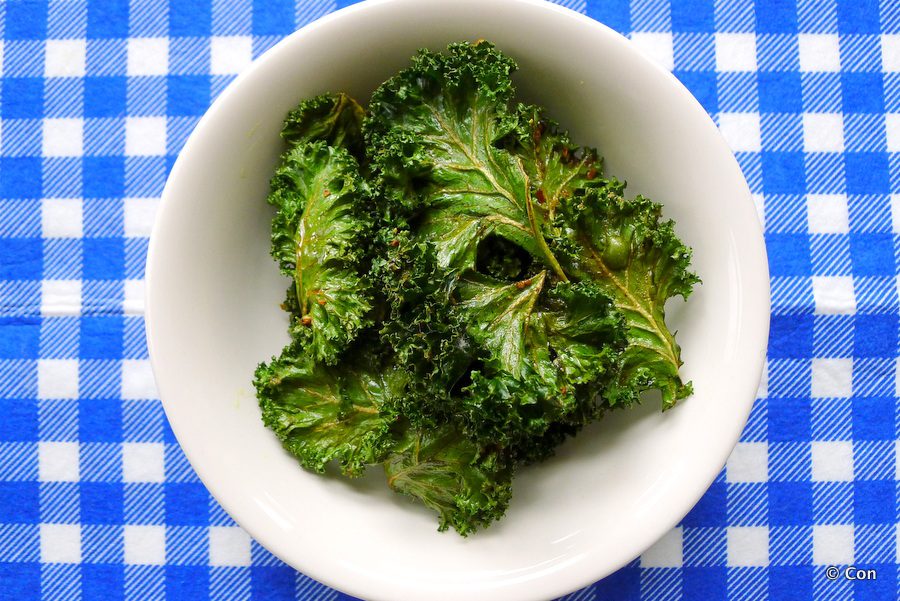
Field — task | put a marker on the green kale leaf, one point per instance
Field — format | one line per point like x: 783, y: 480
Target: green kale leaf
x: 335, y: 119
x: 318, y: 239
x: 634, y: 256
x: 468, y: 486
x: 323, y: 413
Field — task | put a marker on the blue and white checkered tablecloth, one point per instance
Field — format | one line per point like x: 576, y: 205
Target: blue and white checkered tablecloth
x: 98, y: 96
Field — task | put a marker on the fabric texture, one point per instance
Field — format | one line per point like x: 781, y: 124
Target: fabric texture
x: 98, y: 96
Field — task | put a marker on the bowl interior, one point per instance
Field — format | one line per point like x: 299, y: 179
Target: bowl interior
x: 213, y: 295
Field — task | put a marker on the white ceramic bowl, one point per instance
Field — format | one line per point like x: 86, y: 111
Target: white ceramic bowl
x: 213, y: 296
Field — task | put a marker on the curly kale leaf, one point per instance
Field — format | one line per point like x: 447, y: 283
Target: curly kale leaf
x: 634, y: 256
x: 557, y: 168
x: 318, y: 238
x: 425, y: 337
x: 469, y: 486
x: 323, y: 413
x: 432, y: 137
x: 546, y: 350
x: 335, y: 119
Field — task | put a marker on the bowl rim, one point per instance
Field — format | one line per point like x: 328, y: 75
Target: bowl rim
x: 643, y: 541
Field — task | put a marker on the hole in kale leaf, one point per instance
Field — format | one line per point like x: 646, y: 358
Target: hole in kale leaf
x: 502, y: 259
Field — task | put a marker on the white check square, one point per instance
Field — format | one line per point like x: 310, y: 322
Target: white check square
x: 60, y: 543
x: 748, y: 546
x: 57, y: 378
x: 230, y: 55
x: 139, y: 216
x: 823, y: 132
x: 832, y: 378
x: 735, y: 52
x: 827, y: 214
x: 741, y: 131
x: 748, y: 462
x: 137, y: 380
x: 890, y: 52
x: 834, y: 295
x: 667, y: 552
x: 145, y: 136
x: 65, y: 58
x: 228, y: 546
x: 63, y: 137
x: 58, y: 462
x: 62, y: 218
x: 145, y: 545
x: 819, y: 52
x: 60, y: 297
x: 143, y: 462
x: 833, y: 545
x: 657, y: 46
x: 148, y: 56
x: 832, y: 461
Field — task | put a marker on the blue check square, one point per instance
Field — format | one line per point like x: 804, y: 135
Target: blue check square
x: 693, y: 15
x: 863, y: 92
x: 859, y: 16
x: 883, y: 586
x: 102, y: 502
x: 790, y: 503
x: 874, y: 502
x: 273, y: 17
x: 791, y: 336
x: 614, y: 13
x: 188, y: 94
x: 25, y: 20
x: 867, y: 173
x: 20, y: 259
x: 100, y: 420
x: 788, y: 583
x: 711, y: 509
x: 20, y: 177
x: 104, y: 96
x: 783, y: 172
x: 104, y: 259
x: 272, y: 582
x: 872, y: 254
x: 190, y: 19
x: 789, y: 254
x: 101, y: 337
x: 621, y: 586
x: 703, y: 86
x: 19, y: 337
x: 776, y: 16
x: 187, y: 504
x: 102, y: 582
x: 704, y: 583
x: 873, y: 419
x: 104, y: 177
x: 789, y: 419
x: 192, y: 582
x: 875, y: 336
x: 780, y: 92
x: 20, y: 420
x: 21, y: 581
x: 108, y: 19
x: 19, y: 502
